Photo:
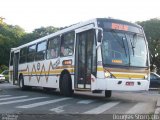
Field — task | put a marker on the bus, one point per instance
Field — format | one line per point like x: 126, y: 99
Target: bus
x: 102, y: 54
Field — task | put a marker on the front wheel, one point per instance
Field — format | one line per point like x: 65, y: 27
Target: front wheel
x: 108, y: 93
x: 66, y: 85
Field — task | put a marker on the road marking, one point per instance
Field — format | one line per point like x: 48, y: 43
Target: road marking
x: 22, y: 100
x: 58, y: 109
x: 85, y: 101
x: 10, y: 98
x: 4, y: 96
x: 102, y: 108
x: 42, y: 103
x: 139, y: 108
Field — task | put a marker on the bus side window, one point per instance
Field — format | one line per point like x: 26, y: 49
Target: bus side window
x: 53, y: 48
x: 41, y: 51
x: 23, y: 53
x: 31, y: 53
x: 67, y: 44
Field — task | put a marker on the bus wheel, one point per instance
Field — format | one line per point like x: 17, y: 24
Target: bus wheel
x: 66, y: 86
x: 108, y: 93
x: 21, y: 83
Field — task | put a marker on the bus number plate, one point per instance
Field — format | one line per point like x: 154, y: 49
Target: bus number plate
x: 130, y: 83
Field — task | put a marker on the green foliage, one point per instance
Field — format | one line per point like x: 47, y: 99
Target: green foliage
x: 13, y: 36
x: 152, y: 31
x: 38, y: 33
x: 9, y: 37
x: 41, y: 32
x: 3, y: 67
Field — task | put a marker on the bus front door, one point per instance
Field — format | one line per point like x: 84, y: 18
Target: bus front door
x: 85, y: 59
x: 15, y: 68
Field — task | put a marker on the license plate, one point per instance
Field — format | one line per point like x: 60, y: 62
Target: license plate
x: 130, y: 83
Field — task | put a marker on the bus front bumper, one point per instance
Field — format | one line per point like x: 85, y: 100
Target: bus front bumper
x: 120, y: 84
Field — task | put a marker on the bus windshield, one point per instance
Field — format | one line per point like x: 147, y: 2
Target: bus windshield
x: 124, y: 48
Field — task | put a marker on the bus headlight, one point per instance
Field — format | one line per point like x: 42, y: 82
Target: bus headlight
x: 146, y: 77
x: 107, y: 74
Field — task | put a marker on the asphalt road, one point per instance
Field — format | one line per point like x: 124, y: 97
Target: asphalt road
x: 39, y: 104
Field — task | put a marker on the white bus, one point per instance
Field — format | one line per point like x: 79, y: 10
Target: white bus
x: 102, y: 54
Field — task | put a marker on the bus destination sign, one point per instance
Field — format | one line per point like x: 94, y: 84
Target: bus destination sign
x: 119, y: 26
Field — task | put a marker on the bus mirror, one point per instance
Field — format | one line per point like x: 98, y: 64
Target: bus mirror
x: 100, y: 35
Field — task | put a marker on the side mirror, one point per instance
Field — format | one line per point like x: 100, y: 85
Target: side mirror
x: 100, y: 35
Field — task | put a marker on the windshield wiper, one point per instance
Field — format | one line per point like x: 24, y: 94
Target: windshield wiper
x: 133, y: 43
x: 132, y: 46
x: 123, y: 46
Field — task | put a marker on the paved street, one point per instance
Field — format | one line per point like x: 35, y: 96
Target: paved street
x: 37, y: 101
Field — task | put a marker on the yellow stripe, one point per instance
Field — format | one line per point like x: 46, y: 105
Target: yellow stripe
x: 100, y: 69
x: 129, y: 76
x: 56, y: 71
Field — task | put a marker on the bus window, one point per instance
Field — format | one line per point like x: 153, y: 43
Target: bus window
x: 23, y: 53
x: 31, y: 53
x: 41, y: 51
x: 67, y: 44
x: 53, y: 48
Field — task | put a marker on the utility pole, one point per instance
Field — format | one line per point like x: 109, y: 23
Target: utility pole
x: 1, y: 20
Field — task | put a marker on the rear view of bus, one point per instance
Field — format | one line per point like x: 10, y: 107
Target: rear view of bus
x: 124, y: 61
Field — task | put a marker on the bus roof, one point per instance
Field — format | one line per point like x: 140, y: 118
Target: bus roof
x: 72, y: 27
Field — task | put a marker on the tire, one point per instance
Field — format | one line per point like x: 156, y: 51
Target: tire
x: 108, y: 93
x: 66, y: 85
x: 21, y: 84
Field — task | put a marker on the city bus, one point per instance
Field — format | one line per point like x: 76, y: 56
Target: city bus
x: 102, y: 54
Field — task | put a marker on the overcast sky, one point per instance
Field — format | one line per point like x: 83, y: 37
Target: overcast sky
x: 31, y: 14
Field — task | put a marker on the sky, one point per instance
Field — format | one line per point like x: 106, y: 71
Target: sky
x: 32, y: 14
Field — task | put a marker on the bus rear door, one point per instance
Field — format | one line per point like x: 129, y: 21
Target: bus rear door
x: 15, y: 67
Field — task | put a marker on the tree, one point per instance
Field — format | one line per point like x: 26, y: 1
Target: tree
x: 9, y: 37
x: 43, y: 31
x: 13, y: 36
x: 152, y: 30
x: 38, y: 33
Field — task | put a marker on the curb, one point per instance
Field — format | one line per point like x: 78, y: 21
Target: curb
x: 157, y: 110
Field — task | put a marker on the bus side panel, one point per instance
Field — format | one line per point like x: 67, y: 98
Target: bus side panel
x: 50, y: 77
x: 41, y: 73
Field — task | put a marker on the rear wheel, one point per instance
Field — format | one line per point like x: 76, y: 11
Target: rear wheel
x: 66, y: 85
x: 108, y: 93
x: 21, y: 84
